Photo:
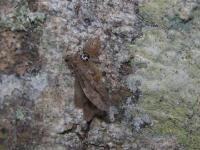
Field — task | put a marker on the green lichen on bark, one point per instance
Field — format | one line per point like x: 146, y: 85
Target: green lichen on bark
x: 20, y: 17
x: 175, y: 14
x: 170, y: 78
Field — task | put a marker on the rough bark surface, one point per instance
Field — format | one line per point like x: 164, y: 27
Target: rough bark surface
x: 150, y: 46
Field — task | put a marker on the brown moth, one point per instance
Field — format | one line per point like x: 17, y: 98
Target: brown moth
x: 91, y: 94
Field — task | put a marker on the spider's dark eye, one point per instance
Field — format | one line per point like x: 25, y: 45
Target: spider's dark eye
x: 85, y: 57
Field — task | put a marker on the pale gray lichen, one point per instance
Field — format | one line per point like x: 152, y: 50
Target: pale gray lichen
x: 21, y: 18
x: 170, y: 77
x: 19, y: 115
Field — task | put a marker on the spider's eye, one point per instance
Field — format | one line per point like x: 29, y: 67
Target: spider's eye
x: 85, y: 57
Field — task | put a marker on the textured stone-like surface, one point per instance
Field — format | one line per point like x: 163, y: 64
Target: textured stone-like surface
x: 167, y: 62
x: 150, y: 46
x: 19, y: 54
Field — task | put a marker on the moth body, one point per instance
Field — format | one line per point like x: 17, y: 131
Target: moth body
x: 91, y: 94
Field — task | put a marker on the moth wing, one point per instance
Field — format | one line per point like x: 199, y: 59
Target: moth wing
x: 102, y: 91
x: 120, y: 94
x: 93, y: 76
x: 97, y: 83
x: 79, y: 97
x: 92, y: 95
x: 89, y: 111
